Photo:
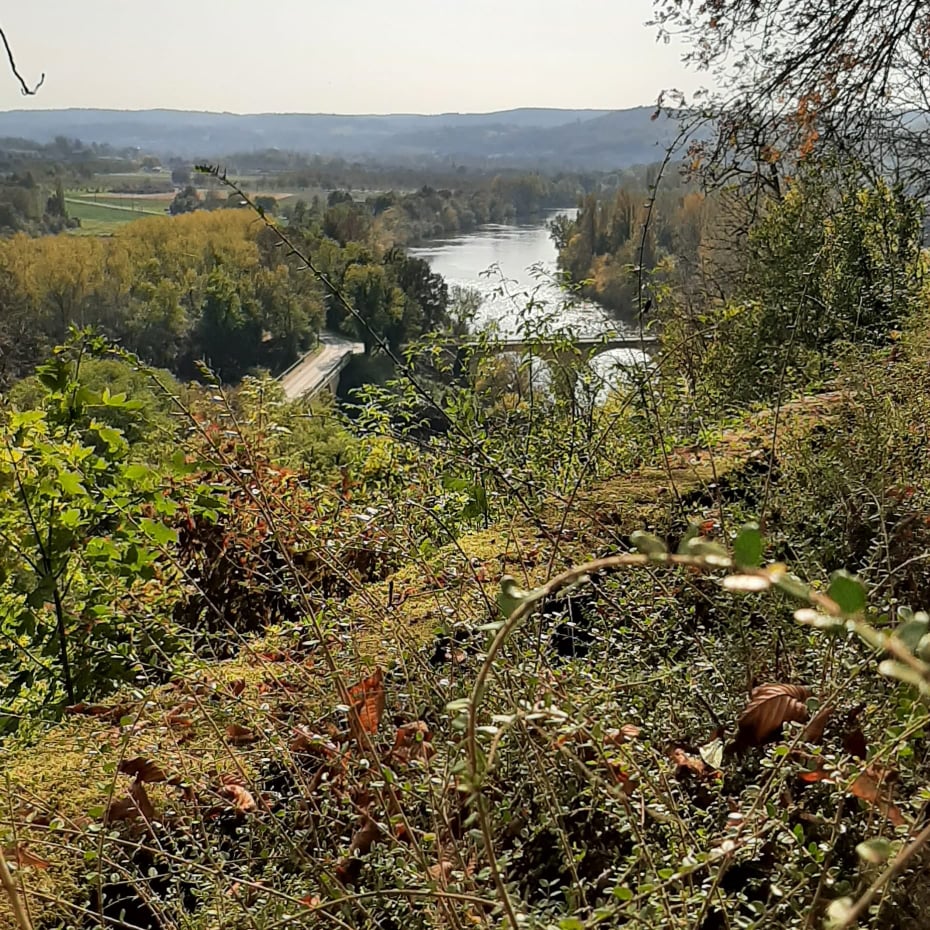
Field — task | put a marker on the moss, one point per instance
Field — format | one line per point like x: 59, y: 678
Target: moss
x: 59, y: 786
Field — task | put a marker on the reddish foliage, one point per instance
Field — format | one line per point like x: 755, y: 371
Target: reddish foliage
x: 367, y: 704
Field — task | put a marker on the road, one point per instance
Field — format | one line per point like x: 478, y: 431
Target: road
x: 311, y: 373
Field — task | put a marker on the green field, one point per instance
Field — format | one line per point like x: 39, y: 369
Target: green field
x: 100, y: 217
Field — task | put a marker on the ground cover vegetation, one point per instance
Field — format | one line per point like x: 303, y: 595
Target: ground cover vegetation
x: 475, y: 647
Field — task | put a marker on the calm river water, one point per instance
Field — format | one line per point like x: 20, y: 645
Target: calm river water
x: 510, y: 266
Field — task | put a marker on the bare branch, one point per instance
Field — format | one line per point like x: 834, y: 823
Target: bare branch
x: 24, y: 87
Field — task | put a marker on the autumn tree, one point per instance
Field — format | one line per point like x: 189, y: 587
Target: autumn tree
x: 802, y: 78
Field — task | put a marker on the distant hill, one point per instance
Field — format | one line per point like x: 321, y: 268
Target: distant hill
x: 524, y: 137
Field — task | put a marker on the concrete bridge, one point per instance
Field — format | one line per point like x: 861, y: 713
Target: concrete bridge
x: 564, y: 355
x: 319, y: 370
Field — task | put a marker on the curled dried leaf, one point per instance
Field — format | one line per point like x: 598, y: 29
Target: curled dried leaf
x: 412, y: 742
x: 306, y: 741
x: 236, y: 687
x: 625, y: 734
x: 770, y: 706
x: 177, y: 718
x: 349, y: 867
x: 242, y: 800
x: 813, y: 732
x: 131, y: 807
x: 142, y: 769
x: 24, y: 857
x: 239, y: 735
x: 441, y: 872
x: 103, y: 711
x: 368, y: 702
x: 140, y: 796
x: 872, y: 786
x: 686, y: 764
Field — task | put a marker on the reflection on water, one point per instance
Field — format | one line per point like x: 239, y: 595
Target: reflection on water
x: 513, y: 266
x: 514, y: 269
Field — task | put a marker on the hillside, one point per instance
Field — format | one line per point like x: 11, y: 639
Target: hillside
x: 591, y: 139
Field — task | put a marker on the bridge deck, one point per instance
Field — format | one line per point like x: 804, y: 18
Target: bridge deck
x: 601, y: 343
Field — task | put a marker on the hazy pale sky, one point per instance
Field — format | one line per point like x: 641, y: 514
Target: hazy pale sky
x: 339, y: 56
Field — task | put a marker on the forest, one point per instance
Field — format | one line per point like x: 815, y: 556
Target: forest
x: 490, y: 640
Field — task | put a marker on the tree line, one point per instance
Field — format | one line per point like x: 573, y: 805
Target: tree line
x: 211, y: 286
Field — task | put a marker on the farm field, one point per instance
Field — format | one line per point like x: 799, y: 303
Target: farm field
x: 100, y: 217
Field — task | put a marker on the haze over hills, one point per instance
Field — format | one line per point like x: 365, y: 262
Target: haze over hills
x: 541, y: 137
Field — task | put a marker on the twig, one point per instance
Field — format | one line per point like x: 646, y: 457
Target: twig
x: 895, y: 866
x: 16, y: 902
x: 24, y: 87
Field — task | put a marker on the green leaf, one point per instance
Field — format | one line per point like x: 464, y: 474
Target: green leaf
x: 791, y: 585
x: 711, y: 552
x: 913, y: 631
x: 112, y: 437
x: 904, y: 673
x: 161, y: 534
x: 136, y: 472
x: 875, y: 851
x: 511, y: 595
x: 71, y: 483
x: 848, y: 592
x: 647, y: 543
x: 692, y: 532
x: 748, y: 547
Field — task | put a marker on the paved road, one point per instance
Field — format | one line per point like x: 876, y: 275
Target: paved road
x: 311, y: 373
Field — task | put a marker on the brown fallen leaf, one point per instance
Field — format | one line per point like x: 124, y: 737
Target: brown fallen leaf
x: 129, y: 808
x: 412, y: 742
x: 275, y: 656
x: 310, y: 900
x: 239, y: 735
x: 177, y: 717
x: 274, y: 685
x: 441, y: 872
x: 22, y: 856
x: 769, y: 707
x: 687, y: 764
x: 367, y: 703
x: 242, y: 800
x: 853, y: 738
x: 871, y: 786
x: 104, y: 711
x: 626, y: 783
x: 306, y: 740
x: 813, y: 732
x: 138, y: 793
x: 817, y: 775
x: 625, y: 734
x: 854, y: 743
x: 349, y: 867
x: 142, y: 769
x: 236, y: 687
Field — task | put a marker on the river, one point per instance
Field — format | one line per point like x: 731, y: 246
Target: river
x: 512, y: 265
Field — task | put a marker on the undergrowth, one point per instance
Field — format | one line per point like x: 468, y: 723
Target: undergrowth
x: 471, y: 651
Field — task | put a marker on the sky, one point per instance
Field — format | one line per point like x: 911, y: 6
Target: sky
x: 339, y: 56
